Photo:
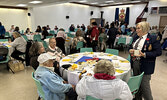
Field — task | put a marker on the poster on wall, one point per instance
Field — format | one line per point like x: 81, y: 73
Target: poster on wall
x: 122, y: 14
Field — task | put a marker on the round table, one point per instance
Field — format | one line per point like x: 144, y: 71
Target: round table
x: 122, y: 66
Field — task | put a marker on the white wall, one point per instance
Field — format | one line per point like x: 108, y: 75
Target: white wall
x: 79, y: 14
x: 56, y: 15
x: 154, y: 19
x: 15, y: 17
x: 135, y: 10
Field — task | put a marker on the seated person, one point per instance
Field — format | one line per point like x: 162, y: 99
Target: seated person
x: 103, y: 85
x: 53, y: 85
x: 19, y: 46
x: 61, y: 33
x: 35, y: 50
x: 77, y: 39
x: 56, y: 51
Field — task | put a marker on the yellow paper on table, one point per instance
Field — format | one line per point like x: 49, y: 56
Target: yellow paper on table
x: 110, y: 55
x: 119, y: 71
x: 91, y: 52
x: 8, y: 46
x: 66, y: 60
x: 124, y: 61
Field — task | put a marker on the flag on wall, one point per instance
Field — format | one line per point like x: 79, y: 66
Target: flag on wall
x: 122, y: 14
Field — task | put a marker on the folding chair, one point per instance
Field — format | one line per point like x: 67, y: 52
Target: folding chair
x: 79, y: 45
x: 134, y: 83
x: 25, y: 37
x: 37, y: 38
x: 86, y: 50
x: 39, y: 88
x: 91, y: 98
x: 122, y: 42
x: 112, y: 51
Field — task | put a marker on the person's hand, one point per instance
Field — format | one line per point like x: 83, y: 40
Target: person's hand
x: 9, y: 40
x: 57, y: 65
x: 65, y: 82
x: 141, y: 54
x: 89, y: 74
x: 131, y: 51
x: 73, y: 86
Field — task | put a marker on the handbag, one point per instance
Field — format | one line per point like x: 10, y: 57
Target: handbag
x: 16, y: 65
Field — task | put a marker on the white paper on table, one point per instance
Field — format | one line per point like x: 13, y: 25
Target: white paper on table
x: 73, y: 78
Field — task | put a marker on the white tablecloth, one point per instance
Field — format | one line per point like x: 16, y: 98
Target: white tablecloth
x: 73, y: 76
x: 128, y: 38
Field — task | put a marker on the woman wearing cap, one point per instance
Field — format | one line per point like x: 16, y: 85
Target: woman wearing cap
x: 103, y: 85
x: 53, y: 85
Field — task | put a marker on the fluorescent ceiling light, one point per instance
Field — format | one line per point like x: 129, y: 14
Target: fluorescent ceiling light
x: 163, y: 0
x: 118, y: 3
x: 35, y: 2
x: 82, y: 1
x: 136, y: 1
x: 21, y: 5
x: 109, y: 1
x: 94, y: 3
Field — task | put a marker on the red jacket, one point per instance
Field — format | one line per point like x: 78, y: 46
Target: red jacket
x: 95, y: 32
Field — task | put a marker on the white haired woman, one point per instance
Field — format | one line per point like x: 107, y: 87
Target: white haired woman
x: 19, y: 45
x: 149, y: 48
x: 103, y: 85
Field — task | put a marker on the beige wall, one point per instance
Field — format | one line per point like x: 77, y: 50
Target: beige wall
x: 15, y: 17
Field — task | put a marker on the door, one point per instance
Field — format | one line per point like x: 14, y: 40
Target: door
x: 162, y: 23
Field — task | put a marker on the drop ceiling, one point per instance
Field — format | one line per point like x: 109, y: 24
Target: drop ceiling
x: 99, y: 3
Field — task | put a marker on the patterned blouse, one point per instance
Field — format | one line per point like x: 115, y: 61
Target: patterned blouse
x: 57, y: 52
x: 76, y: 40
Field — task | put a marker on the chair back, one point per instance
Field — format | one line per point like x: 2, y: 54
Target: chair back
x: 129, y: 57
x: 122, y: 40
x: 37, y: 38
x: 45, y: 44
x: 79, y: 45
x: 25, y: 37
x: 39, y: 87
x: 70, y: 35
x: 91, y: 98
x: 7, y: 34
x: 48, y: 37
x: 129, y: 33
x: 3, y: 40
x: 131, y: 40
x: 52, y: 32
x: 134, y: 83
x: 112, y: 51
x: 86, y: 50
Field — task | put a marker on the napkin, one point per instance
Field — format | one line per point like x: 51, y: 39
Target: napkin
x: 124, y: 61
x: 66, y: 60
x: 119, y: 71
x: 110, y: 55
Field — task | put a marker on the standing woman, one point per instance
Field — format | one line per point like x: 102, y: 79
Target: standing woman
x: 38, y: 30
x: 149, y: 48
x: 19, y: 45
x: 35, y: 50
x: 2, y: 31
x: 44, y: 32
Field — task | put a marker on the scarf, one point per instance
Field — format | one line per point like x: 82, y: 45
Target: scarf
x: 104, y: 76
